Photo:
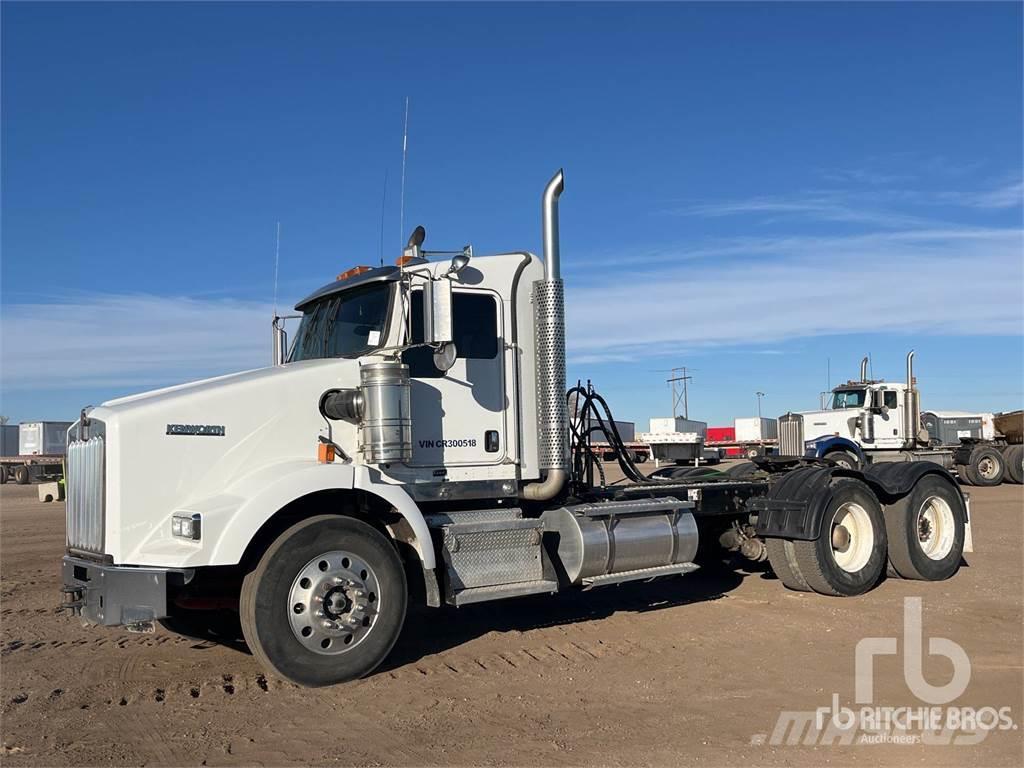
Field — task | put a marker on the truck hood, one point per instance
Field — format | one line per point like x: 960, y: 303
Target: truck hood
x: 174, y: 447
x: 820, y: 423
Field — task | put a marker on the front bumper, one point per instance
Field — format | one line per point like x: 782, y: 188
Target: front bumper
x: 113, y: 595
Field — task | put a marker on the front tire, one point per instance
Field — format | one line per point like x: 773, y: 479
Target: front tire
x: 849, y: 556
x: 843, y: 459
x: 326, y: 602
x: 926, y: 531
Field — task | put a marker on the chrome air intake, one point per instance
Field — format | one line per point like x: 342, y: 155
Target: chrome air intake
x: 386, y: 424
x: 549, y: 339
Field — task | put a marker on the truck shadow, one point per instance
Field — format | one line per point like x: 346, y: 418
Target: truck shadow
x: 429, y: 631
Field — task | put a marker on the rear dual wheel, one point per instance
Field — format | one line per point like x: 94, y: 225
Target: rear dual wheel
x: 849, y: 556
x: 326, y: 602
x: 1014, y: 456
x: 986, y: 467
x: 926, y: 531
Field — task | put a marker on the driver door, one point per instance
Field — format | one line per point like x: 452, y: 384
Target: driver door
x: 459, y: 415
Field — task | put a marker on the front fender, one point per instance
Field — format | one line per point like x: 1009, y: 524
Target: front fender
x: 834, y: 443
x: 231, y: 519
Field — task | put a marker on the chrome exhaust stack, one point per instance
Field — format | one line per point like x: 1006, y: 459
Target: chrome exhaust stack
x: 911, y: 404
x: 864, y: 369
x: 549, y: 324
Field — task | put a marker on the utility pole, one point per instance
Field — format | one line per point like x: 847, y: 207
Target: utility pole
x: 759, y: 396
x: 680, y: 391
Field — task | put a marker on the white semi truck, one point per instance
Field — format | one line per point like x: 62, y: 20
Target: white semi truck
x: 414, y: 448
x: 869, y: 422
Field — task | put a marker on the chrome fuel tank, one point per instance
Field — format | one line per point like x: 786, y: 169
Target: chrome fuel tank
x: 595, y: 540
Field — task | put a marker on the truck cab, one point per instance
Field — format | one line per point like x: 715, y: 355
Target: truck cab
x: 864, y: 419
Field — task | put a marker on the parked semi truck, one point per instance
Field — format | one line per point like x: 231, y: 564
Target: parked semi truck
x: 414, y: 448
x: 876, y: 421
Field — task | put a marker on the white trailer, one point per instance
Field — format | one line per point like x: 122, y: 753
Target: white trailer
x: 414, y: 446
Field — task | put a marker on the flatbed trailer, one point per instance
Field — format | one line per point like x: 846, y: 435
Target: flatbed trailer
x: 641, y: 452
x: 24, y: 469
x: 737, y: 449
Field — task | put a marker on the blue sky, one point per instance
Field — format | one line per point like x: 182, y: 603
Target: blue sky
x: 751, y: 189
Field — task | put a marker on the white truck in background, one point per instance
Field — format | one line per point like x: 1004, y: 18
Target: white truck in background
x: 413, y: 447
x: 875, y: 421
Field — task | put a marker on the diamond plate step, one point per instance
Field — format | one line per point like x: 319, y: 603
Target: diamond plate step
x: 639, y: 574
x: 498, y: 591
x: 440, y: 519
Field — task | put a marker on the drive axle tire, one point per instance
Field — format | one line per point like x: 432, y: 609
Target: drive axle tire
x: 849, y: 556
x: 741, y: 470
x: 21, y: 475
x: 3, y: 474
x: 1014, y: 456
x: 926, y: 531
x: 963, y: 475
x: 986, y: 467
x: 326, y: 602
x: 783, y: 563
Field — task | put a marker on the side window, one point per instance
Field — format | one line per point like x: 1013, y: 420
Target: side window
x: 890, y: 399
x: 474, y: 328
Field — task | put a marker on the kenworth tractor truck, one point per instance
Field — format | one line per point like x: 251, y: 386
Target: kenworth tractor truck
x: 413, y: 448
x: 870, y: 422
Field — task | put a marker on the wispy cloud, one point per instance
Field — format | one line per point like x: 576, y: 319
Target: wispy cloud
x: 958, y: 282
x: 130, y: 340
x: 820, y: 206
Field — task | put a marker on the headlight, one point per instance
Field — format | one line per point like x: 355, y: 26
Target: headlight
x: 187, y: 526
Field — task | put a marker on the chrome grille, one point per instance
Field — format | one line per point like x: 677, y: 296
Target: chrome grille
x: 791, y: 435
x: 85, y: 495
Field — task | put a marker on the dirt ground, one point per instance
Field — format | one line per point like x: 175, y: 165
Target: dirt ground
x: 692, y: 669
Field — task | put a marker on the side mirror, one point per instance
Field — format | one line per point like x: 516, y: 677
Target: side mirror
x: 444, y: 357
x: 878, y: 401
x: 437, y: 312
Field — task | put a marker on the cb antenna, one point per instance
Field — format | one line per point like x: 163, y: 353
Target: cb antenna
x: 383, y: 201
x: 277, y: 260
x: 401, y: 205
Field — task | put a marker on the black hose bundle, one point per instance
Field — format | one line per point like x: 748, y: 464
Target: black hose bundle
x: 585, y: 420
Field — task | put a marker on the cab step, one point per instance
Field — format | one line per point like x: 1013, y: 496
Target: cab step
x: 489, y: 556
x: 641, y: 574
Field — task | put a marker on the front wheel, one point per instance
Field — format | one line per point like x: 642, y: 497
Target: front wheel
x: 843, y: 459
x: 326, y: 602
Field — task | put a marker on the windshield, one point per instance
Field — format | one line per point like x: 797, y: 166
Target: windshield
x: 347, y: 324
x: 847, y: 398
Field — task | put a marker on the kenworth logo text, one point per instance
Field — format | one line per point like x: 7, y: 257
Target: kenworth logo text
x: 469, y: 442
x: 212, y: 430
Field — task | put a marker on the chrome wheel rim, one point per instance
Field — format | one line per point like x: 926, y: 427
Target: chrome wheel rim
x: 853, y: 537
x: 936, y: 528
x: 333, y: 603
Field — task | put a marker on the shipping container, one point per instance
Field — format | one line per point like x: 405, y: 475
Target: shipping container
x: 627, y: 431
x: 43, y: 438
x: 8, y: 440
x: 945, y: 428
x: 668, y: 424
x: 721, y: 434
x: 754, y: 429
